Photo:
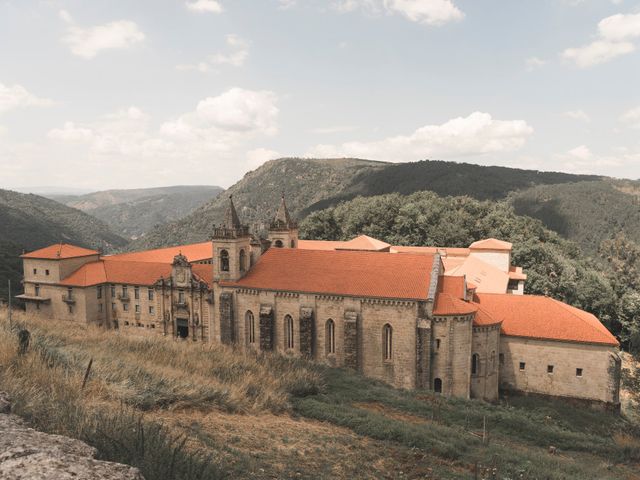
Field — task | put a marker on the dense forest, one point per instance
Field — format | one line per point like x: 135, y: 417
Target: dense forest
x: 607, y: 285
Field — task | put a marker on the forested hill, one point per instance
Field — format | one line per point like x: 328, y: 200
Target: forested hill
x: 133, y: 212
x: 312, y: 184
x: 30, y: 222
x: 257, y: 196
x: 586, y: 212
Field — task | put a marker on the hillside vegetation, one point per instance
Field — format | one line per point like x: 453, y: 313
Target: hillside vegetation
x: 179, y: 410
x: 133, y: 212
x: 313, y: 184
x: 585, y: 212
x: 30, y: 222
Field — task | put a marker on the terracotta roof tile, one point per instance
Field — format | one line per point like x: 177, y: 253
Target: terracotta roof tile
x: 452, y: 285
x: 60, y: 251
x: 204, y: 272
x: 113, y: 271
x: 544, y: 318
x: 194, y: 252
x: 447, y: 304
x: 319, y: 244
x: 491, y: 244
x: 486, y: 277
x: 359, y: 274
x: 364, y: 242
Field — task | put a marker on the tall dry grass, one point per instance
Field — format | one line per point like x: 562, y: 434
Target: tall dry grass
x: 134, y: 375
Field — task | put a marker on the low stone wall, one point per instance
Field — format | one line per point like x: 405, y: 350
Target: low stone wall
x: 28, y: 454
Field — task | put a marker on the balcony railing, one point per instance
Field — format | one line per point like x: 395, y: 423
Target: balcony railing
x: 68, y: 298
x: 182, y: 304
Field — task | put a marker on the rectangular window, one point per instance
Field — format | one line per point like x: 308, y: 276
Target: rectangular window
x: 113, y: 291
x: 99, y: 308
x: 150, y: 294
x: 152, y: 311
x: 37, y: 290
x: 549, y: 368
x: 136, y: 293
x: 437, y: 344
x: 522, y: 365
x: 501, y: 358
x: 46, y: 272
x: 124, y: 291
x: 578, y: 372
x: 35, y: 271
x: 99, y: 293
x: 70, y: 308
x: 137, y: 308
x: 125, y: 307
x: 181, y: 296
x: 113, y: 307
x: 70, y: 292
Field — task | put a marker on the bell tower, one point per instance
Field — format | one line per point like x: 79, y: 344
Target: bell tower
x: 231, y: 247
x: 283, y: 231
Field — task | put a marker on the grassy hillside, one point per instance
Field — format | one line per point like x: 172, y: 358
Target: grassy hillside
x: 313, y: 184
x: 30, y: 222
x: 257, y: 196
x: 586, y: 212
x: 131, y: 213
x: 215, y: 412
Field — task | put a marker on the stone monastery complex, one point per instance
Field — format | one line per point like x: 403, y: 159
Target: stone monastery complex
x: 452, y: 320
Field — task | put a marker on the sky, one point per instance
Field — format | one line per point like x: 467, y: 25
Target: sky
x: 137, y: 93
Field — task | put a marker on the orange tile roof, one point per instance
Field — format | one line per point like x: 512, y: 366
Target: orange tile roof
x: 348, y: 273
x: 60, y: 251
x: 364, y: 242
x: 486, y: 277
x: 483, y: 318
x: 491, y: 244
x: 319, y: 244
x: 447, y: 304
x: 515, y: 273
x: 194, y: 252
x: 544, y: 318
x: 204, y: 272
x: 113, y: 271
x: 444, y: 251
x: 452, y: 285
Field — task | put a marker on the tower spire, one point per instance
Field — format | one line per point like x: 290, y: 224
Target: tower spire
x: 231, y: 219
x: 282, y: 220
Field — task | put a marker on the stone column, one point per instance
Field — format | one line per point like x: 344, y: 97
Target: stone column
x: 266, y: 328
x: 306, y: 332
x: 423, y: 354
x: 351, y: 340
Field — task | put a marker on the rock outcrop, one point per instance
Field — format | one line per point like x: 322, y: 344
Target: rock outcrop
x: 28, y: 454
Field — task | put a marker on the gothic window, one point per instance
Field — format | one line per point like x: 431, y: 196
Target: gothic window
x: 437, y: 385
x: 243, y: 260
x: 387, y: 341
x: 288, y: 332
x: 224, y: 261
x: 250, y: 327
x: 279, y: 244
x: 330, y: 337
x: 475, y: 364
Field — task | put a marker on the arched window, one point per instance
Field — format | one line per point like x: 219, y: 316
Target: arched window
x: 387, y: 341
x: 279, y: 244
x: 250, y: 327
x: 243, y: 260
x: 288, y: 332
x: 437, y: 385
x: 475, y: 364
x: 224, y: 261
x: 330, y: 337
x: 293, y: 243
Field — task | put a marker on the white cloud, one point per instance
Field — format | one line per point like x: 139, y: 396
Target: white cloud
x: 582, y: 160
x: 476, y: 134
x: 287, y: 4
x: 632, y: 117
x: 258, y: 156
x: 205, y: 6
x: 17, y: 97
x: 88, y: 42
x: 614, y: 39
x: 336, y: 129
x: 579, y: 115
x: 237, y: 53
x: 428, y: 12
x: 533, y: 63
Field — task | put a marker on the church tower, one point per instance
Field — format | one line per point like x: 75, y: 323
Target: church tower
x: 283, y: 231
x: 231, y: 247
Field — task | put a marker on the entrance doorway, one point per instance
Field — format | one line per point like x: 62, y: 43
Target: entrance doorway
x: 182, y: 327
x: 437, y: 385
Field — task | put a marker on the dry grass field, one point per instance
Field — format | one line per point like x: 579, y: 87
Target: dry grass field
x: 188, y: 411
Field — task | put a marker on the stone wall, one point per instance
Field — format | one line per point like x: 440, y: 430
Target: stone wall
x: 486, y: 344
x: 598, y: 379
x: 451, y: 359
